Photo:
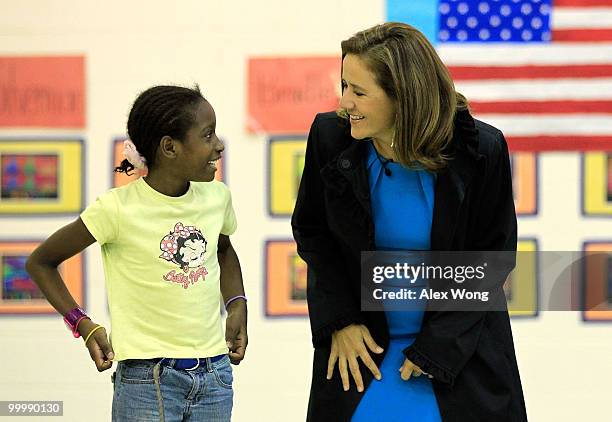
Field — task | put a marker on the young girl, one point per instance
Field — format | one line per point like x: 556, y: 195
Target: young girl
x: 167, y: 258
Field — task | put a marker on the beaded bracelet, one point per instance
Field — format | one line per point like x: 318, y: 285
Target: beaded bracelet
x: 233, y: 299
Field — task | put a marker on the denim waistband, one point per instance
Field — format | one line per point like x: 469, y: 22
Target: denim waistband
x: 188, y: 364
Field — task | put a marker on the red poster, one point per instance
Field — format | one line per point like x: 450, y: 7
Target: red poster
x: 42, y: 92
x: 286, y: 93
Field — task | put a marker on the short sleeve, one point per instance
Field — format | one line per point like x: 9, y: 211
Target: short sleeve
x: 229, y: 219
x: 102, y: 218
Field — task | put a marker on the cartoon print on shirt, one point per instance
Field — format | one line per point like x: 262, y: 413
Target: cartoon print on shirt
x: 185, y: 246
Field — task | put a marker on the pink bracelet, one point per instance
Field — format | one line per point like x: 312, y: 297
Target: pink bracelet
x: 76, y: 326
x: 233, y: 299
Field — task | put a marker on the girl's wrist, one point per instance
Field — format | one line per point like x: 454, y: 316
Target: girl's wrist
x: 86, y: 326
x: 238, y: 301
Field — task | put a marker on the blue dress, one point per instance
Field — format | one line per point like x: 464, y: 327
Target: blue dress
x: 405, y: 196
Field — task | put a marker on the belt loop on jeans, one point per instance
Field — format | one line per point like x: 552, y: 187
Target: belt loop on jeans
x: 209, y: 367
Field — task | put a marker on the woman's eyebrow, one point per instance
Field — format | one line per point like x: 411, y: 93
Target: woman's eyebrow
x: 354, y: 85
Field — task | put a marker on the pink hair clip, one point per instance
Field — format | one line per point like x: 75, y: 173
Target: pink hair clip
x: 132, y: 155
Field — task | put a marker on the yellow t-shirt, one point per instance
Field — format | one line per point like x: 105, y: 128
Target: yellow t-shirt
x: 161, y: 268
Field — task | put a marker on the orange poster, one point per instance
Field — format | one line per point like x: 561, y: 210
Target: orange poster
x: 286, y: 93
x: 42, y: 92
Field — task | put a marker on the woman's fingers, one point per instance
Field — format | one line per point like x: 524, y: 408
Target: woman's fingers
x: 331, y: 362
x: 347, y: 346
x: 369, y: 341
x: 354, y: 367
x: 343, y: 374
x: 409, y: 369
x: 369, y: 363
x: 406, y: 370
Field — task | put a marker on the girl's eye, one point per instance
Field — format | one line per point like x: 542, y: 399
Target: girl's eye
x: 359, y: 94
x: 209, y: 135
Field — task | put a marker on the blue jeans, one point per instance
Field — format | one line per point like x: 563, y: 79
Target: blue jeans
x: 149, y: 391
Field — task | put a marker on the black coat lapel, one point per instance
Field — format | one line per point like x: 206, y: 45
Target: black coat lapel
x: 452, y: 183
x: 351, y: 164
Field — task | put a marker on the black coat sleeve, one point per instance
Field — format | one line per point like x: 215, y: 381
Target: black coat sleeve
x: 330, y: 304
x: 448, y: 339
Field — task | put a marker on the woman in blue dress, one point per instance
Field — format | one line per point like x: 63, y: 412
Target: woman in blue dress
x: 402, y: 165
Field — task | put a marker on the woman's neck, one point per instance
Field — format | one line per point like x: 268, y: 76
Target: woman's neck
x: 384, y: 149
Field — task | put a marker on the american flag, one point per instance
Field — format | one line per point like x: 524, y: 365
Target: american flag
x: 540, y: 71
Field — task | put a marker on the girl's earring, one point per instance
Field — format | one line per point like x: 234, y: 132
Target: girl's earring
x: 392, y: 139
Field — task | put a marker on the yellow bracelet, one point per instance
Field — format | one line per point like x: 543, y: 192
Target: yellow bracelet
x: 91, y: 332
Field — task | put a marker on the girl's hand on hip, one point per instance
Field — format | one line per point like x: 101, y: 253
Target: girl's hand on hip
x: 347, y: 345
x: 99, y: 347
x: 408, y: 369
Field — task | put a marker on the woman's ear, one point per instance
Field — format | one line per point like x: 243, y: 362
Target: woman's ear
x: 167, y: 147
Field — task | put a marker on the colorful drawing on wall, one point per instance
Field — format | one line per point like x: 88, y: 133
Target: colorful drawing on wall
x: 29, y: 176
x: 285, y: 166
x: 597, y: 281
x: 16, y: 283
x: 41, y: 176
x: 597, y: 184
x: 286, y: 93
x: 42, y: 92
x: 120, y: 179
x: 521, y: 287
x: 18, y: 293
x: 525, y: 182
x: 285, y: 279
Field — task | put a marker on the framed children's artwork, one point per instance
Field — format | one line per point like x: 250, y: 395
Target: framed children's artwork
x: 597, y: 184
x: 120, y: 179
x: 19, y: 294
x: 285, y: 166
x: 597, y: 281
x: 525, y: 182
x: 521, y: 286
x: 41, y: 176
x: 285, y: 279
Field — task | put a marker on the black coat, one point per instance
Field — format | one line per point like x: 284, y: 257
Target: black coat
x: 470, y: 354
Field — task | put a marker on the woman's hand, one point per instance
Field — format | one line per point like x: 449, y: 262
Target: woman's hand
x: 408, y: 369
x: 347, y: 345
x: 99, y: 347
